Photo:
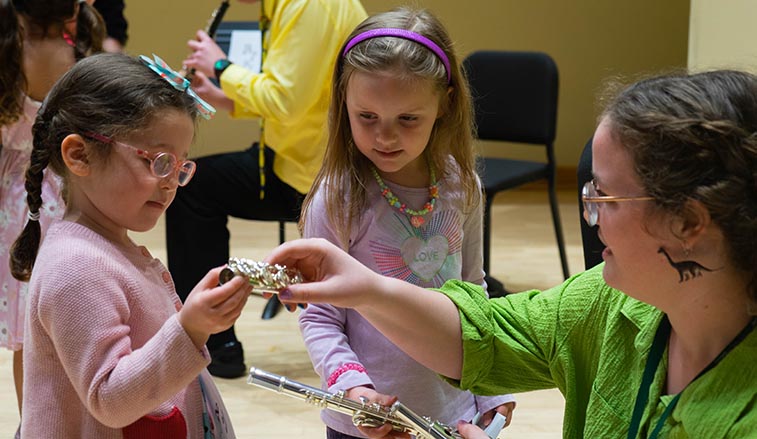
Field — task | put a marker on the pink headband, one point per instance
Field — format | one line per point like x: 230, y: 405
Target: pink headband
x: 400, y: 33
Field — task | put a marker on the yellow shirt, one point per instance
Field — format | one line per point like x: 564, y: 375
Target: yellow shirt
x: 293, y: 90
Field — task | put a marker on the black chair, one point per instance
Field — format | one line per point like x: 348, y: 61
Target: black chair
x: 515, y: 99
x: 589, y: 237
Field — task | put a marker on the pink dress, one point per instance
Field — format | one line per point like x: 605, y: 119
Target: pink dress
x: 14, y: 159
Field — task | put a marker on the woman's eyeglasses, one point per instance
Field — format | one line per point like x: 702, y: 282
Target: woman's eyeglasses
x: 162, y: 164
x: 591, y: 200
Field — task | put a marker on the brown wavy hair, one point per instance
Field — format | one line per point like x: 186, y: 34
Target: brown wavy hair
x: 694, y: 136
x: 110, y: 94
x: 42, y: 15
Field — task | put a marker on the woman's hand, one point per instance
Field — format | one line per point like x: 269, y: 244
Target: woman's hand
x: 205, y: 53
x: 361, y: 393
x: 210, y: 308
x: 331, y: 275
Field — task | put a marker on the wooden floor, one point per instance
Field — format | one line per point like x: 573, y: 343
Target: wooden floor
x: 524, y: 254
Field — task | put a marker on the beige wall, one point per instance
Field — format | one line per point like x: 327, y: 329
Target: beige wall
x: 723, y: 35
x: 589, y: 39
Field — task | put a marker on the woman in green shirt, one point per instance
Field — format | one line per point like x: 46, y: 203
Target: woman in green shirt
x: 658, y: 340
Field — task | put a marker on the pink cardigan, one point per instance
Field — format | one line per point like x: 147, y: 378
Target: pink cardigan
x: 103, y: 347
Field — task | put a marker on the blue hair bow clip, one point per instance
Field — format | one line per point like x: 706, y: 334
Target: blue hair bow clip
x: 179, y: 82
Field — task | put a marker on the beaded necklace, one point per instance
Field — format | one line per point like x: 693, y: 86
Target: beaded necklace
x: 416, y: 216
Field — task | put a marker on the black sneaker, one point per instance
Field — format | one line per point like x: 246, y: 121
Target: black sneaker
x: 495, y: 287
x: 227, y: 361
x: 271, y: 308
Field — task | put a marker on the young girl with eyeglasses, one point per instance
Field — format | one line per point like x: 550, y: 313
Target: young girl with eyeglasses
x: 110, y: 352
x: 398, y: 190
x: 39, y: 41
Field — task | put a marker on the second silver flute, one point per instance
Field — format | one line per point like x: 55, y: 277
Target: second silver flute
x: 363, y: 413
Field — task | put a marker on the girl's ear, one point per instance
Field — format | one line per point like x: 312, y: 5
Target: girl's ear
x: 444, y: 105
x: 75, y: 154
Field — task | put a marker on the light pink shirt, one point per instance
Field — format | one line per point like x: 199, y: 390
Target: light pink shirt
x: 103, y: 346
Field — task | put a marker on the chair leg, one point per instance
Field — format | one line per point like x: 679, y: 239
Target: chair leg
x: 487, y: 232
x: 274, y: 304
x: 553, y: 204
x: 494, y: 287
x: 282, y: 232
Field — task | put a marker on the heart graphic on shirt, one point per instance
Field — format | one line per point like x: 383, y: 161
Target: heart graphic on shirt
x: 425, y: 257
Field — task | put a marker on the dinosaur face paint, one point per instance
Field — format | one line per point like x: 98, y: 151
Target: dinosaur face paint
x: 687, y: 270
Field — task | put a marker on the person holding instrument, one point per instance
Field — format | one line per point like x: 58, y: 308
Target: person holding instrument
x: 210, y: 30
x: 267, y: 181
x: 110, y: 351
x: 658, y: 340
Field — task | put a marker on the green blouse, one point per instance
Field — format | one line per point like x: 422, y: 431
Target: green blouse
x: 591, y: 342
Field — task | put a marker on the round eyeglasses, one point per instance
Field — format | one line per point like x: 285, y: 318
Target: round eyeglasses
x: 591, y: 200
x: 162, y: 164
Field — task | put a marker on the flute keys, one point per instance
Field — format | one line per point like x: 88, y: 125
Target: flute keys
x: 360, y: 419
x: 262, y: 276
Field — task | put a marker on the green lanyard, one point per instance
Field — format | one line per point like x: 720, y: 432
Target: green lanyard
x: 653, y: 361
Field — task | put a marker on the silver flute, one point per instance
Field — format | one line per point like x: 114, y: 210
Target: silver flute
x: 264, y: 277
x: 364, y: 413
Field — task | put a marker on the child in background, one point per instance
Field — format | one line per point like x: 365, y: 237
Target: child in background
x: 399, y: 191
x: 109, y: 350
x: 39, y: 41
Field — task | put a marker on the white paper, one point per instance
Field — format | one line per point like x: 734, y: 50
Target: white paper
x: 245, y: 49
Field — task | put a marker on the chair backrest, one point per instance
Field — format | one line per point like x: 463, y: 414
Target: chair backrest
x: 592, y: 245
x: 514, y: 94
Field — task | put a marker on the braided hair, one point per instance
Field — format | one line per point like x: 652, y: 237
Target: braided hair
x: 110, y: 94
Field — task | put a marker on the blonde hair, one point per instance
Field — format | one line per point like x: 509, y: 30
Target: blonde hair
x: 345, y: 169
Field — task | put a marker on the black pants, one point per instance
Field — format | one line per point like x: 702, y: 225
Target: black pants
x: 333, y: 434
x: 224, y: 185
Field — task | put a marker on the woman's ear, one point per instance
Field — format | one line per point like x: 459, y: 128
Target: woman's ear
x: 693, y: 221
x: 75, y: 154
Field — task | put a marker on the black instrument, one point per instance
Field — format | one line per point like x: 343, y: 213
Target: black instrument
x: 212, y: 27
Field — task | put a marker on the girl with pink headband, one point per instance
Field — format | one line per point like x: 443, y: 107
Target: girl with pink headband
x: 399, y: 191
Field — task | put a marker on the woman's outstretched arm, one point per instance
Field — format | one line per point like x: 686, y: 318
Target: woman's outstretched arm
x: 423, y: 323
